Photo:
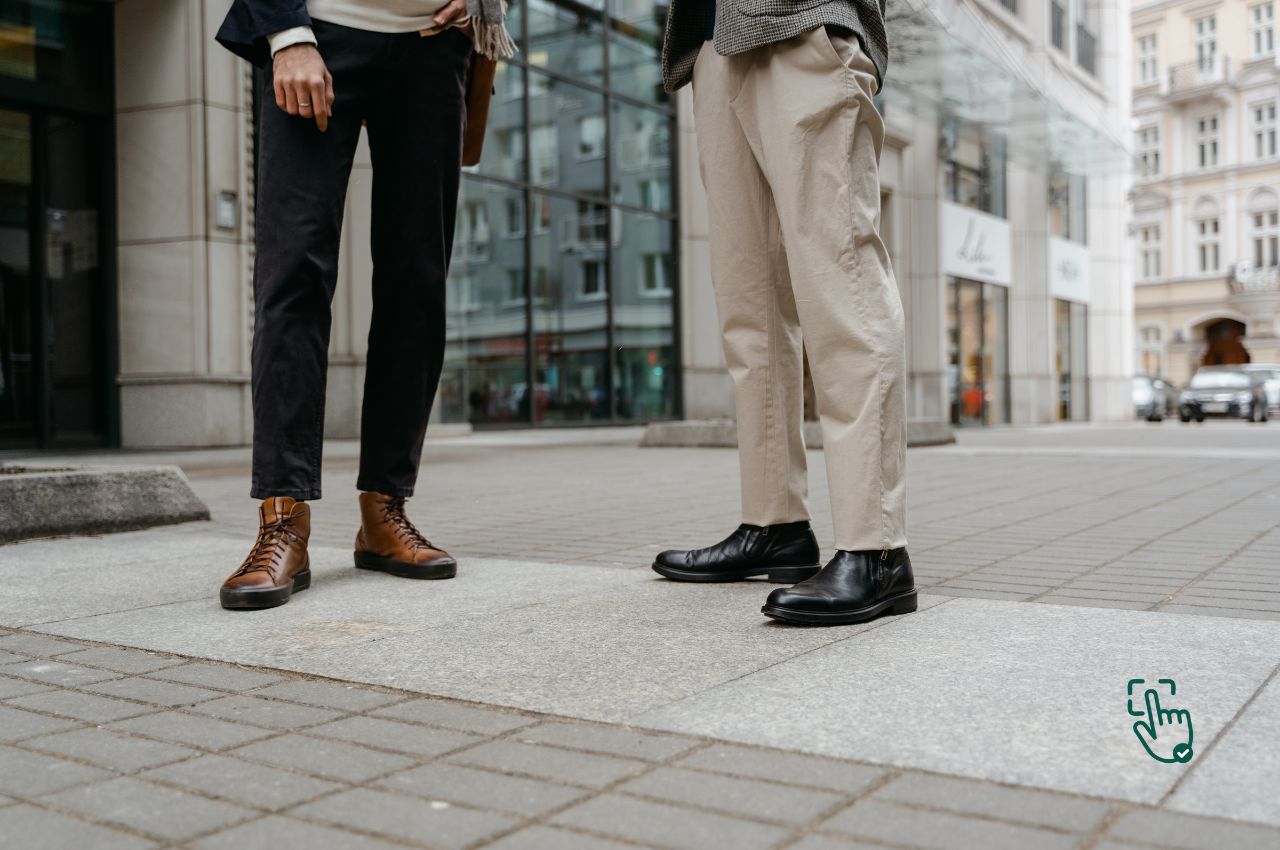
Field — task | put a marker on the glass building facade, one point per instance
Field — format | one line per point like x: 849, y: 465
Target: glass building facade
x: 562, y: 304
x: 57, y: 251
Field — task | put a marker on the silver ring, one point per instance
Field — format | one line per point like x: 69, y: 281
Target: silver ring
x: 306, y: 105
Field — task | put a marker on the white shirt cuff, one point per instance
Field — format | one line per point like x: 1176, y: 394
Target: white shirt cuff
x: 288, y: 38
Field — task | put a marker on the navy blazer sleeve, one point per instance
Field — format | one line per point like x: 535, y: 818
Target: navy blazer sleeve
x: 245, y: 29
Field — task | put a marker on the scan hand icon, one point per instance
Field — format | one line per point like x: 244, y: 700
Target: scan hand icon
x: 1165, y: 733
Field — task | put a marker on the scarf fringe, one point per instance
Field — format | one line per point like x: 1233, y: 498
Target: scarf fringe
x: 493, y: 41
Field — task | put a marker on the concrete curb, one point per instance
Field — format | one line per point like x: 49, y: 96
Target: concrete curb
x: 48, y: 502
x: 723, y: 433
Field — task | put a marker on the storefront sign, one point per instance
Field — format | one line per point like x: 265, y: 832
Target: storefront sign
x: 975, y: 245
x: 1069, y: 270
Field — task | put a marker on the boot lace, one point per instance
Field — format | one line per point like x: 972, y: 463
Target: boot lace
x: 393, y: 513
x: 271, y: 538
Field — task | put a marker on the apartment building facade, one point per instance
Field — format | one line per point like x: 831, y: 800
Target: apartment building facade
x: 1206, y: 198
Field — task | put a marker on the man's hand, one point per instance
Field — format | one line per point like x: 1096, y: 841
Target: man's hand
x: 303, y: 84
x: 456, y: 9
x: 1166, y: 733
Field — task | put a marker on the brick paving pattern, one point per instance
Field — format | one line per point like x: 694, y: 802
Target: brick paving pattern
x: 100, y: 749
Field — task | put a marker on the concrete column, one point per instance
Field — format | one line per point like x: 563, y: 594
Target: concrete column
x: 184, y: 140
x: 920, y: 277
x: 1033, y: 378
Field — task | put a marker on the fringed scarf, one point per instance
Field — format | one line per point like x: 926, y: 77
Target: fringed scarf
x: 489, y: 27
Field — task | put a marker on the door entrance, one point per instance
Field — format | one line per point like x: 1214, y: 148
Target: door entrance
x: 57, y: 282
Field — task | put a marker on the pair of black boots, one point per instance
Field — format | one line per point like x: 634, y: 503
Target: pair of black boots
x: 851, y: 588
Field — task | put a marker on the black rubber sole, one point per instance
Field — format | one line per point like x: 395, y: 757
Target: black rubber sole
x: 437, y: 569
x: 252, y: 600
x: 903, y: 603
x: 777, y: 575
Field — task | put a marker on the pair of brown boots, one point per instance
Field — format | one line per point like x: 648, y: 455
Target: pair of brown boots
x: 278, y: 564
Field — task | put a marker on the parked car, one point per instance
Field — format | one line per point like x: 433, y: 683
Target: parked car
x: 1270, y: 373
x: 1224, y: 391
x: 1154, y: 398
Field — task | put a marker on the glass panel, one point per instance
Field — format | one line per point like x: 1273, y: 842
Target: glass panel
x: 76, y: 293
x: 1079, y: 362
x: 570, y: 309
x: 503, y: 154
x: 58, y: 42
x: 566, y: 136
x: 995, y: 354
x: 17, y: 346
x: 970, y: 353
x: 635, y: 42
x: 486, y: 374
x: 643, y: 281
x: 1062, y: 333
x: 642, y: 157
x: 953, y: 350
x: 567, y: 39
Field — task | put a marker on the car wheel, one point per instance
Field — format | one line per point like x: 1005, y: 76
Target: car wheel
x: 1184, y: 417
x: 1200, y: 417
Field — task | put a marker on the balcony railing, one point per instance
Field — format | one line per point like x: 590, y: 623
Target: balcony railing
x: 1248, y: 281
x: 1196, y: 75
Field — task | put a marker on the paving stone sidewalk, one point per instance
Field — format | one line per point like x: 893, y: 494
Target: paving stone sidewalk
x: 103, y: 746
x: 114, y: 748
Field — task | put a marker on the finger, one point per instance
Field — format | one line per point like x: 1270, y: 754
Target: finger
x: 320, y: 103
x: 329, y: 96
x: 281, y: 101
x: 302, y: 94
x: 1153, y: 707
x: 448, y: 13
x: 290, y: 100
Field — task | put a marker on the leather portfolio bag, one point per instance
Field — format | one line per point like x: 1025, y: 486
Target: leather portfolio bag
x: 479, y: 93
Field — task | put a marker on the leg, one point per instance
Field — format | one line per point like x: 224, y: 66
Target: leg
x: 302, y: 185
x: 759, y: 325
x: 415, y: 140
x: 806, y: 107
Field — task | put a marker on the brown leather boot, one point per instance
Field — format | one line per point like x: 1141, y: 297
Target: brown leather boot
x: 388, y: 541
x: 278, y: 563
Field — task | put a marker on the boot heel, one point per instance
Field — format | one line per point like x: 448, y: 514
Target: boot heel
x: 905, y: 606
x: 791, y: 575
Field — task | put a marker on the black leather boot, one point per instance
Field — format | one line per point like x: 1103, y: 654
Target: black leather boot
x: 854, y: 587
x: 785, y: 553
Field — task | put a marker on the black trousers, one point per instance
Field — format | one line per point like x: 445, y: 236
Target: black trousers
x: 409, y: 90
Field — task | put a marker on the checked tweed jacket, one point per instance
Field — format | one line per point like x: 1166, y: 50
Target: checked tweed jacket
x: 742, y: 25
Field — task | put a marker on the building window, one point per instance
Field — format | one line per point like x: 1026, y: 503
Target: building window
x: 1148, y: 61
x: 1086, y: 36
x: 1071, y: 326
x: 1262, y: 29
x: 1266, y: 239
x: 1149, y: 151
x: 1207, y: 141
x: 1058, y: 24
x: 1011, y: 5
x: 577, y: 184
x: 1067, y: 205
x: 973, y: 162
x: 591, y: 136
x: 1149, y: 251
x: 653, y: 275
x: 1264, y: 129
x: 593, y: 280
x: 1207, y: 244
x: 1151, y: 346
x: 1206, y: 43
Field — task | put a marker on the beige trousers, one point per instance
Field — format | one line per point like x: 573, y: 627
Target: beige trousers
x: 789, y: 149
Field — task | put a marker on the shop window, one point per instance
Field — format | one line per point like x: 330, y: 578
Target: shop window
x: 1068, y: 207
x: 1071, y: 328
x: 978, y: 352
